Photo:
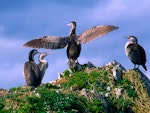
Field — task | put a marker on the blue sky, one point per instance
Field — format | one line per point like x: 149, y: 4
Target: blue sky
x: 21, y: 21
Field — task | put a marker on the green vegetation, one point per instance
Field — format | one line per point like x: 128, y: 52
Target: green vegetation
x: 66, y: 95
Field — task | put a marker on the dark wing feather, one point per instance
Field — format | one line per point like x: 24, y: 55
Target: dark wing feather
x: 48, y: 42
x: 136, y: 53
x: 32, y: 73
x: 95, y: 32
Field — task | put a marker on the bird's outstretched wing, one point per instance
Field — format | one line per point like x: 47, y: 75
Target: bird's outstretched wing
x: 48, y: 42
x: 95, y: 32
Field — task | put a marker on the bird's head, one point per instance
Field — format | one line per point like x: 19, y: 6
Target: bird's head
x: 73, y: 27
x: 44, y: 54
x: 34, y: 52
x: 133, y: 39
x: 72, y: 24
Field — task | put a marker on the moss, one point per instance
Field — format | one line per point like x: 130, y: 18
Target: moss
x: 124, y: 105
x: 66, y: 73
x: 2, y: 103
x: 78, y: 79
x: 128, y: 87
x: 142, y: 102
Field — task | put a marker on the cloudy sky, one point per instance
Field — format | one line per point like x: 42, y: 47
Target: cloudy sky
x: 21, y: 21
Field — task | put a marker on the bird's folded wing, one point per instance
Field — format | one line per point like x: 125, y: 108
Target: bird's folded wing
x: 95, y: 32
x: 31, y: 69
x: 136, y: 52
x: 48, y: 42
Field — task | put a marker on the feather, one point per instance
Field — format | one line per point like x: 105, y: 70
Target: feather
x: 95, y: 32
x: 48, y: 42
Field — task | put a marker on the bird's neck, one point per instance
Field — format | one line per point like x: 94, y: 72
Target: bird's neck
x: 73, y: 31
x: 31, y: 57
x: 41, y: 59
x: 128, y: 43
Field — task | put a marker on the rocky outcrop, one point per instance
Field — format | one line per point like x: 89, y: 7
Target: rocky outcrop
x: 87, y: 88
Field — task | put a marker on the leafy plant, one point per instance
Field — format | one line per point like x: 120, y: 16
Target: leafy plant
x: 94, y: 106
x: 58, y: 102
x: 122, y: 104
x: 128, y: 87
x: 78, y: 79
x: 1, y: 103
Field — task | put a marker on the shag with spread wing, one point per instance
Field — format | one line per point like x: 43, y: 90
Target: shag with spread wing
x: 73, y: 41
x: 135, y: 52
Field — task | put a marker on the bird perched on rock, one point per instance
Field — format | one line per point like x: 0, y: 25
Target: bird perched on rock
x: 43, y: 65
x: 73, y: 41
x: 135, y: 52
x: 32, y: 73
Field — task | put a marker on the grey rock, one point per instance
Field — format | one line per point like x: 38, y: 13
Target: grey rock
x: 109, y: 88
x: 117, y: 70
x: 118, y: 92
x: 145, y: 80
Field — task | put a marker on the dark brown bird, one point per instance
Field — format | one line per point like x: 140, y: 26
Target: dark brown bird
x: 135, y: 52
x: 73, y: 41
x: 32, y: 73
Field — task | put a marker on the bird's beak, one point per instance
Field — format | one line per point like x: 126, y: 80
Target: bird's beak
x: 49, y: 53
x: 69, y: 24
x: 125, y: 37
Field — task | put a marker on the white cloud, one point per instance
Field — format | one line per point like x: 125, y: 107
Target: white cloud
x: 115, y: 10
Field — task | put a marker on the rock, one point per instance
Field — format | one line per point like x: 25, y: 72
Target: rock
x: 60, y: 75
x: 78, y: 66
x: 118, y: 92
x: 105, y: 104
x: 83, y: 92
x: 117, y: 70
x: 107, y: 95
x: 37, y: 95
x: 70, y: 71
x: 145, y: 80
x: 109, y: 88
x: 117, y: 73
x: 89, y: 65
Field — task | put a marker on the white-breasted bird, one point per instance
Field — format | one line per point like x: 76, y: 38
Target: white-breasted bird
x: 135, y: 52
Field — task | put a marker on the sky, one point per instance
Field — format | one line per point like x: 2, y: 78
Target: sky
x: 21, y: 21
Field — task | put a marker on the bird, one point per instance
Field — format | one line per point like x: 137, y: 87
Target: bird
x: 32, y: 73
x: 72, y: 42
x: 135, y: 52
x: 73, y: 47
x: 43, y: 65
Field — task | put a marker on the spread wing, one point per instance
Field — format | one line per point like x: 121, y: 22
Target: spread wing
x: 48, y: 42
x: 95, y: 32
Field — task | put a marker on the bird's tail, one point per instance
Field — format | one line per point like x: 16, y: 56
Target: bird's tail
x: 144, y: 66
